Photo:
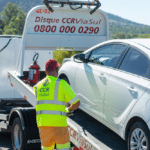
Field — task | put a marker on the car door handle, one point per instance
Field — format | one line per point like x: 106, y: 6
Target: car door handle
x: 101, y: 75
x: 132, y: 90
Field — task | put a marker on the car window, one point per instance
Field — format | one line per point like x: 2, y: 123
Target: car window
x: 107, y: 55
x: 87, y: 54
x: 135, y: 62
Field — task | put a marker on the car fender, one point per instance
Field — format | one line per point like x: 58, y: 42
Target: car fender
x: 69, y: 69
x: 143, y: 104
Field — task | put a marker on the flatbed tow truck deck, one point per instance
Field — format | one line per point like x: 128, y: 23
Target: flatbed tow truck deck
x: 96, y: 132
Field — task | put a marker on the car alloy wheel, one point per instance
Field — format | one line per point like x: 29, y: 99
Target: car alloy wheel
x: 138, y: 140
x: 139, y: 137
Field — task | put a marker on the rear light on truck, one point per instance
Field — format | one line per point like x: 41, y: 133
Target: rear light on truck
x: 25, y: 97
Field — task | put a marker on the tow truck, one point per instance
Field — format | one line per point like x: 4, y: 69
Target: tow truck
x: 44, y: 31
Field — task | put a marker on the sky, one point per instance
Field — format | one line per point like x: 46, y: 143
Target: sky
x: 134, y: 10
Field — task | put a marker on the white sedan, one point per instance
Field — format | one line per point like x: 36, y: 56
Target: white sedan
x: 112, y: 81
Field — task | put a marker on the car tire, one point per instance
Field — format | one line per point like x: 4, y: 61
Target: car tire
x: 17, y: 135
x: 139, y: 136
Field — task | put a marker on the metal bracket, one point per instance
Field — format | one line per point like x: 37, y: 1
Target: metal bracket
x: 95, y: 3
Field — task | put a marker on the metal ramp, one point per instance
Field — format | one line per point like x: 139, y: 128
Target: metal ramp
x: 72, y: 3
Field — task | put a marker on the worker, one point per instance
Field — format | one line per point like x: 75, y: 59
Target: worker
x: 51, y: 110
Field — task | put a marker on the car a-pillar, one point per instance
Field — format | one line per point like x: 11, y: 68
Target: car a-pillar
x: 24, y: 130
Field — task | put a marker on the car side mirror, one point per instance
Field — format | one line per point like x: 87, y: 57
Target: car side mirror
x: 80, y: 56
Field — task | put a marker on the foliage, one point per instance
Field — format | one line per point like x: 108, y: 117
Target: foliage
x: 59, y: 55
x: 8, y: 12
x: 13, y: 19
x: 1, y: 24
x: 144, y: 36
x: 122, y: 35
x: 25, y: 4
x: 134, y: 36
x: 1, y: 31
x: 119, y: 35
x: 128, y: 36
x: 128, y: 30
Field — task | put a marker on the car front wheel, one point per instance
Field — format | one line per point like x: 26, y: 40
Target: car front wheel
x: 139, y: 137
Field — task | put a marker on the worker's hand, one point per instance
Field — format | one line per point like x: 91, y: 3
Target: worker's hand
x: 69, y: 112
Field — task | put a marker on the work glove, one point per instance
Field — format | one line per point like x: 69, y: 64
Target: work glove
x: 69, y: 112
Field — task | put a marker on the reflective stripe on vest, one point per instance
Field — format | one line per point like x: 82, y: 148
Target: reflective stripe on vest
x: 55, y: 101
x: 36, y: 91
x: 50, y: 102
x: 64, y: 149
x: 73, y: 100
x: 47, y: 112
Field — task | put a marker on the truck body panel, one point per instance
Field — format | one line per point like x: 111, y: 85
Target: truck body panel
x: 76, y: 30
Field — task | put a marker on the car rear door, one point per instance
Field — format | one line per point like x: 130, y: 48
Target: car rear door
x: 125, y: 86
x: 91, y: 78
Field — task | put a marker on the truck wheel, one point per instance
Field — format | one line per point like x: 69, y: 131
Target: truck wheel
x: 139, y: 137
x: 17, y: 136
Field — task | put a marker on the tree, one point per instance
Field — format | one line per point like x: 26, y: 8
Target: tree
x: 1, y: 31
x: 144, y: 36
x: 129, y: 36
x: 14, y: 24
x: 59, y: 55
x: 10, y: 31
x: 1, y: 26
x: 119, y: 35
x: 134, y: 36
x: 8, y: 12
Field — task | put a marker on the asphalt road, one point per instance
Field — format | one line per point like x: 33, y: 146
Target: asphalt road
x: 5, y: 141
x: 98, y: 130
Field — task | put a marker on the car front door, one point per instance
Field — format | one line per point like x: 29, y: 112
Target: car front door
x: 91, y: 78
x: 125, y: 86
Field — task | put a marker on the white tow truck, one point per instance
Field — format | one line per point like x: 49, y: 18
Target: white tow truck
x: 44, y: 31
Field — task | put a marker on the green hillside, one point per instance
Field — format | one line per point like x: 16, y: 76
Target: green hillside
x: 116, y: 20
x: 25, y: 4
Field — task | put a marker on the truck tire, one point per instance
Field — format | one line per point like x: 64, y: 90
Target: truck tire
x: 139, y: 137
x: 17, y: 135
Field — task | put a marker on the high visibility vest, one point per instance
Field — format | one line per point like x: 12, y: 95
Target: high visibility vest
x: 51, y: 102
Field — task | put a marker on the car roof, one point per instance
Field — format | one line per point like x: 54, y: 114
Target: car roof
x: 145, y: 43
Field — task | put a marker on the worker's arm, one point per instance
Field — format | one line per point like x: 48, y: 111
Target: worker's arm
x: 70, y: 97
x: 74, y: 106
